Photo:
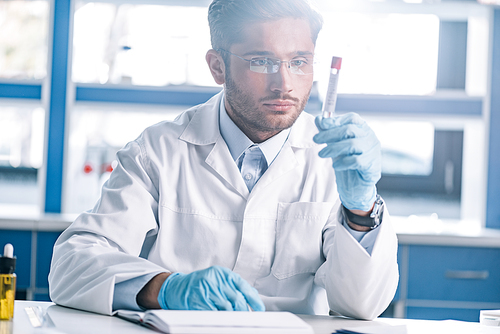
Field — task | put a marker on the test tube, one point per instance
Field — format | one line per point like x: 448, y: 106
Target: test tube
x: 331, y: 93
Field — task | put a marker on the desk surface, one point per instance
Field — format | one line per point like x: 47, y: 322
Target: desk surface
x: 70, y: 321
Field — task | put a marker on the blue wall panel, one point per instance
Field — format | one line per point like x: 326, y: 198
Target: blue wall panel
x: 45, y: 245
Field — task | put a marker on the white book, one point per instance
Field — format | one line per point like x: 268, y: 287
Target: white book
x: 183, y: 322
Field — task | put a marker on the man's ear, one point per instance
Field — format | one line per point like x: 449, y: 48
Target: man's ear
x: 216, y: 65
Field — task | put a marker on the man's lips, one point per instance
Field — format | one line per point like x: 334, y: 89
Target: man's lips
x: 279, y: 105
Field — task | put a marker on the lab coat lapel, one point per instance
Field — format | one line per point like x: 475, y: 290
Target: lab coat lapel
x: 284, y: 162
x: 221, y: 161
x: 203, y: 129
x: 300, y: 137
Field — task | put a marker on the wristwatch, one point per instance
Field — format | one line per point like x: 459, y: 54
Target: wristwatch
x: 373, y: 220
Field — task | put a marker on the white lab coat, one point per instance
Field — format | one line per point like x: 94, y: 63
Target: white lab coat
x: 177, y: 202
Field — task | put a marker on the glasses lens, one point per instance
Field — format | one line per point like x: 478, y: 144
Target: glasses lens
x: 300, y: 66
x: 264, y: 65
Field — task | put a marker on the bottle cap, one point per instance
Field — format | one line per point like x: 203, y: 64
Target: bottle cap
x: 8, y: 260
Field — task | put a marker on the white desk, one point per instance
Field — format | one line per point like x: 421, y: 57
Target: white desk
x: 72, y: 321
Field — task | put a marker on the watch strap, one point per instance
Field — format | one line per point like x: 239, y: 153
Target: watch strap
x: 373, y: 220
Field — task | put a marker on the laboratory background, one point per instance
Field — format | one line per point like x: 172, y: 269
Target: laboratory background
x: 79, y: 79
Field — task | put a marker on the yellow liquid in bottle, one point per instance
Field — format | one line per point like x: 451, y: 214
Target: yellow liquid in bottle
x: 7, y: 296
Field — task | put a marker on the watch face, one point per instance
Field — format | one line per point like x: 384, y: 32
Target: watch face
x: 378, y: 211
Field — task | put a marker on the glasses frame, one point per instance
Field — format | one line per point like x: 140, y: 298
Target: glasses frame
x: 277, y: 64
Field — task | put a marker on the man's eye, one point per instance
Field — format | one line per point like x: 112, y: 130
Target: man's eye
x: 298, y: 62
x: 262, y: 62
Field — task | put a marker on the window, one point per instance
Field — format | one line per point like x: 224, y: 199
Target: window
x: 23, y: 39
x: 97, y: 133
x: 407, y: 147
x: 21, y: 136
x: 382, y: 53
x: 422, y: 173
x: 23, y: 66
x: 21, y: 154
x: 148, y: 45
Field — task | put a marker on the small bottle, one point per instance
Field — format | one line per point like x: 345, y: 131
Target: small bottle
x: 7, y: 283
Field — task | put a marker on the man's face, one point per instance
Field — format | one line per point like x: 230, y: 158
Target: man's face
x: 264, y: 104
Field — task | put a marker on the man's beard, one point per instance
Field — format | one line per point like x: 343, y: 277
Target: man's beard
x: 248, y: 115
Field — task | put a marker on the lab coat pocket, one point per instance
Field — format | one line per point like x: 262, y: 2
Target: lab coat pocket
x: 299, y: 238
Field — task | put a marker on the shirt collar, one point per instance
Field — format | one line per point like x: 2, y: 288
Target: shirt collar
x: 238, y: 142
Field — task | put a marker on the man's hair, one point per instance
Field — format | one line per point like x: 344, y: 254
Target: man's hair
x: 228, y: 18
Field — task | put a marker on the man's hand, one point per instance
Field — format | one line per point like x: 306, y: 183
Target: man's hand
x: 356, y: 156
x: 214, y: 288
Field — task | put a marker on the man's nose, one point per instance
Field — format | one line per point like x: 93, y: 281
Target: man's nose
x: 282, y: 81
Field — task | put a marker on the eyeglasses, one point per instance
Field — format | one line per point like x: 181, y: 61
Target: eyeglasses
x: 299, y: 65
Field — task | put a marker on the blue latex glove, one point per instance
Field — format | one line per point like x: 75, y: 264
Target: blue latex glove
x: 214, y: 288
x: 355, y: 151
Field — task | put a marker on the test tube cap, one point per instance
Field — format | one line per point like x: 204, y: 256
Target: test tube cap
x: 336, y: 62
